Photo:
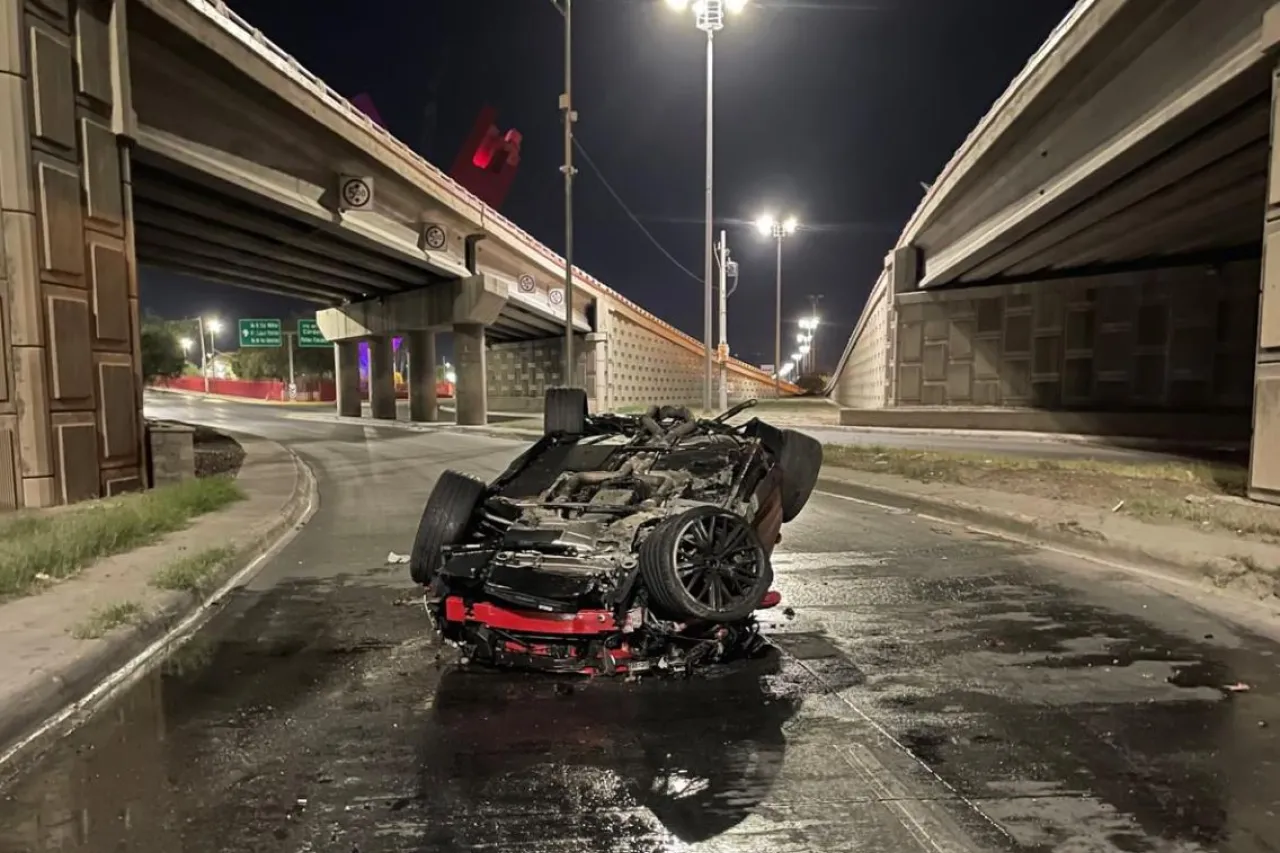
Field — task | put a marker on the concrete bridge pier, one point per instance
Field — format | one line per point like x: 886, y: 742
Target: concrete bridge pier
x: 1264, y: 461
x: 467, y: 306
x: 471, y: 396
x: 382, y: 379
x: 424, y: 405
x: 346, y: 363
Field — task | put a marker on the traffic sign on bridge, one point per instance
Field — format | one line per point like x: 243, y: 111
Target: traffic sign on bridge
x: 309, y: 334
x: 260, y: 333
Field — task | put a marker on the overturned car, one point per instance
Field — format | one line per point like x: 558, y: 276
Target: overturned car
x: 615, y: 544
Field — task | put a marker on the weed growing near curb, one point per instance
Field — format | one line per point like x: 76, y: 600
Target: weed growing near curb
x: 44, y: 546
x: 105, y: 619
x: 194, y: 573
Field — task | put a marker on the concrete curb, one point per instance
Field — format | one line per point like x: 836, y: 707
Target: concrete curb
x: 1030, y: 530
x: 69, y: 695
x: 1120, y: 442
x: 253, y: 401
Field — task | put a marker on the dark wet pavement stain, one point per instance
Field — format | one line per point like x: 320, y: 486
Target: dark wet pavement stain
x: 945, y: 695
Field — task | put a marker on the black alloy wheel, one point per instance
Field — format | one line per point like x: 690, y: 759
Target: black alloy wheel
x: 705, y: 564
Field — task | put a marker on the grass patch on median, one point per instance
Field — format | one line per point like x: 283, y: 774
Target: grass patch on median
x: 1204, y: 495
x: 44, y: 546
x: 106, y: 619
x: 194, y: 573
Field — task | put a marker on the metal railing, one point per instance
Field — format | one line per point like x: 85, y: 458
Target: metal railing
x: 226, y: 18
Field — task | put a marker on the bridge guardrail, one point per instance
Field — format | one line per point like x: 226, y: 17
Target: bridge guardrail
x: 253, y: 38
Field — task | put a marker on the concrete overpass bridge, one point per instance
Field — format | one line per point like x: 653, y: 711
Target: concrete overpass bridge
x: 171, y: 133
x: 1091, y: 258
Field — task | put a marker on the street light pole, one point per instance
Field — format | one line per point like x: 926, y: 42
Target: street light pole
x: 769, y: 226
x: 777, y: 318
x: 566, y: 107
x: 709, y: 17
x: 724, y: 323
x: 710, y: 238
x: 204, y: 358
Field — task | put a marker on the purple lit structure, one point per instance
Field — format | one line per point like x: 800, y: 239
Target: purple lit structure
x: 396, y: 357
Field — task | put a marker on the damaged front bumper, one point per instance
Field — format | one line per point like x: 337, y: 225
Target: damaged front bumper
x: 589, y: 642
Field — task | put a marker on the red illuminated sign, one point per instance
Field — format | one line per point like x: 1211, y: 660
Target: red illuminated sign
x: 489, y: 159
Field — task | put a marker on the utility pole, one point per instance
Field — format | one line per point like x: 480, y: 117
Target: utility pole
x: 288, y: 342
x: 724, y: 322
x: 710, y: 30
x: 204, y: 358
x: 566, y: 108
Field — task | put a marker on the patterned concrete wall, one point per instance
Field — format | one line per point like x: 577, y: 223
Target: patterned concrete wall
x: 1166, y: 339
x: 863, y: 380
x: 626, y: 366
x: 70, y: 393
x: 520, y: 373
x: 646, y: 368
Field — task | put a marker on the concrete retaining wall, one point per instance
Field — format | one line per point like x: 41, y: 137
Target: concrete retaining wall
x: 1192, y: 427
x: 628, y: 365
x: 1173, y: 339
x: 520, y: 373
x: 645, y: 368
x: 70, y: 387
x: 863, y: 381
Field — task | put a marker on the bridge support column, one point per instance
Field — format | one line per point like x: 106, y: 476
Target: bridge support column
x: 382, y: 379
x: 346, y: 363
x: 471, y: 394
x: 1264, y: 451
x: 70, y: 381
x: 596, y: 370
x: 423, y: 404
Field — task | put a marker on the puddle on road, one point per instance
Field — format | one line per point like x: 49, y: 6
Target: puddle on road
x: 316, y: 717
x: 306, y: 724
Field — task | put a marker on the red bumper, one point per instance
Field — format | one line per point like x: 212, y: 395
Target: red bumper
x: 582, y: 623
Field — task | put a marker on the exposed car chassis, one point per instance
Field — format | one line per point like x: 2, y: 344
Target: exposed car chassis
x: 615, y: 544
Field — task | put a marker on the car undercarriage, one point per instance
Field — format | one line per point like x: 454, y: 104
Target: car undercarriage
x: 616, y: 544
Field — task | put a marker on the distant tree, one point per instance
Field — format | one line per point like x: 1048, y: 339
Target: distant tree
x: 162, y: 355
x: 255, y: 363
x: 273, y: 362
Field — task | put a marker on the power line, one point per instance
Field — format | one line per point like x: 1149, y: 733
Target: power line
x: 592, y: 164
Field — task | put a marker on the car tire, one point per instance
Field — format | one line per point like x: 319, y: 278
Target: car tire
x: 444, y: 521
x: 565, y: 411
x: 800, y: 458
x: 670, y: 597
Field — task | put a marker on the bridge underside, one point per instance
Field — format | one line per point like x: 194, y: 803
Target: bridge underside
x: 1196, y: 201
x: 1090, y: 260
x: 197, y: 224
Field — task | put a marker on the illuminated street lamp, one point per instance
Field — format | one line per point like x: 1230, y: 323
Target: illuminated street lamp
x: 769, y: 226
x: 708, y: 16
x: 214, y: 326
x: 185, y: 343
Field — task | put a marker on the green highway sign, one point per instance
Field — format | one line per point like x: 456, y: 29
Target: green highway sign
x: 309, y: 335
x: 260, y: 333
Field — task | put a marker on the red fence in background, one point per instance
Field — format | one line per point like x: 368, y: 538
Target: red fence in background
x: 309, y: 390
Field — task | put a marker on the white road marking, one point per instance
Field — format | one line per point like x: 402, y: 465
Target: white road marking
x: 895, y: 510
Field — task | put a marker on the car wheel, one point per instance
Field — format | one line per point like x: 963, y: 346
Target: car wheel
x: 801, y: 460
x: 705, y: 564
x: 565, y: 411
x: 444, y: 521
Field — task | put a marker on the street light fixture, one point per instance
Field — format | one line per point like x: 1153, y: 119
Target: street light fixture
x: 770, y: 226
x: 214, y: 326
x: 709, y: 17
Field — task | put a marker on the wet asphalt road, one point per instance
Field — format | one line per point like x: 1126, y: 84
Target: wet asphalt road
x: 933, y: 691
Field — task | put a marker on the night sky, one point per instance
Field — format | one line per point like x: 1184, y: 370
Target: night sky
x: 834, y: 110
